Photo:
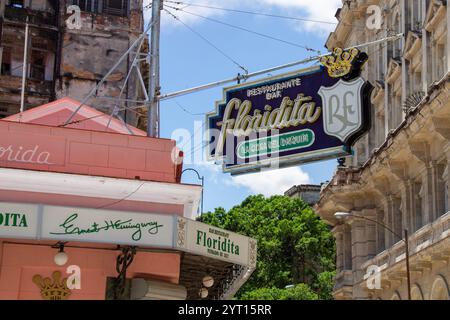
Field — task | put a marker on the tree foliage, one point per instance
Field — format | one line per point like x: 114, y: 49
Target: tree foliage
x: 294, y: 246
x: 299, y: 292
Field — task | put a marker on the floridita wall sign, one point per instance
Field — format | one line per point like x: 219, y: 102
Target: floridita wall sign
x: 308, y: 115
x: 206, y: 240
x: 42, y: 222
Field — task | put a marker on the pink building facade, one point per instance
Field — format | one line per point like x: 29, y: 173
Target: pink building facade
x: 100, y: 195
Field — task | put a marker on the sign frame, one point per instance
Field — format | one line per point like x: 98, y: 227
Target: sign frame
x: 236, y: 122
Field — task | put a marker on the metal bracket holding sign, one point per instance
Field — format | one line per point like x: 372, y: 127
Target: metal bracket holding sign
x: 300, y: 117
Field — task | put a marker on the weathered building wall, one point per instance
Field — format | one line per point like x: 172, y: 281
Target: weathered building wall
x: 41, y: 56
x: 69, y: 62
x: 88, y: 54
x: 398, y: 177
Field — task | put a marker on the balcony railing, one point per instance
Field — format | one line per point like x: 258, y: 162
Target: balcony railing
x: 34, y: 16
x: 423, y: 238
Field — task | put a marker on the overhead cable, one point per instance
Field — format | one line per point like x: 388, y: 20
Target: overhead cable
x: 271, y: 15
x: 207, y: 41
x: 246, y: 30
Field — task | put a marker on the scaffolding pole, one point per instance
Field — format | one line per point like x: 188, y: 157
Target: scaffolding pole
x: 24, y: 68
x: 154, y: 85
x: 94, y: 90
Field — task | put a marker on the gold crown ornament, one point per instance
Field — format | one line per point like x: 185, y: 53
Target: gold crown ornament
x: 340, y: 62
x: 53, y: 290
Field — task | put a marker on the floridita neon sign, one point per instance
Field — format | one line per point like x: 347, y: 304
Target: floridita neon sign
x: 22, y: 155
x: 308, y: 115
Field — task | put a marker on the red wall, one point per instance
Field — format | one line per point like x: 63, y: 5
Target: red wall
x: 90, y: 152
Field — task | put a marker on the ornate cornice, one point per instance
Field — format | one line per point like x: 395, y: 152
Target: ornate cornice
x: 435, y: 14
x: 404, y: 147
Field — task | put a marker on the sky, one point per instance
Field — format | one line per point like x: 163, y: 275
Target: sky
x: 187, y: 61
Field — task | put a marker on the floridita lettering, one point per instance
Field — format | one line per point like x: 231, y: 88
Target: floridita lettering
x: 13, y: 220
x: 291, y: 113
x: 220, y: 243
x: 35, y: 156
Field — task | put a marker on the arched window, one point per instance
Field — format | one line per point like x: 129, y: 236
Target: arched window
x: 416, y: 293
x: 439, y: 290
x: 396, y: 296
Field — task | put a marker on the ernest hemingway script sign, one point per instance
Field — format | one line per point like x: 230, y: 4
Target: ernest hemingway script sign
x: 107, y: 226
x: 308, y: 115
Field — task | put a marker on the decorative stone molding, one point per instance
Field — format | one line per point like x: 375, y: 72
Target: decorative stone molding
x: 435, y: 15
x: 394, y: 71
x: 413, y: 45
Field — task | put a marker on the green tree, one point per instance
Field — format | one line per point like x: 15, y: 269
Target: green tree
x: 299, y: 292
x: 294, y: 245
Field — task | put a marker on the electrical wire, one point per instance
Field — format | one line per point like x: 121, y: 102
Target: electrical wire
x: 193, y: 136
x: 263, y: 14
x: 208, y: 41
x: 123, y: 199
x: 247, y: 30
x: 103, y: 115
x: 187, y: 111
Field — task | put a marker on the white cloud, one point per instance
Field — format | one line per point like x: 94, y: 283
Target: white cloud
x: 323, y: 10
x: 272, y: 182
x: 267, y: 182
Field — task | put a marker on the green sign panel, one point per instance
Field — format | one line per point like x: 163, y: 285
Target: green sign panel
x: 275, y: 144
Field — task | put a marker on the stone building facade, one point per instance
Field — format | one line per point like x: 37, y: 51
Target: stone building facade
x: 399, y: 173
x: 68, y: 62
x: 309, y: 193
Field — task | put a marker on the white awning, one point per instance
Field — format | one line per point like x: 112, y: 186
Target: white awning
x: 101, y: 187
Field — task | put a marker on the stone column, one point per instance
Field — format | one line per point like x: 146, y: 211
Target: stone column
x: 437, y: 190
x: 397, y: 218
x: 448, y: 38
x: 347, y: 247
x: 426, y: 69
x: 338, y: 233
x: 405, y: 63
x: 381, y: 241
x: 407, y: 205
x: 371, y: 233
x: 446, y: 177
x: 428, y: 205
x: 359, y: 254
x: 388, y: 237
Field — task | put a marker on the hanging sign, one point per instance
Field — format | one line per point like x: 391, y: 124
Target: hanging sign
x: 205, y: 240
x: 305, y: 116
